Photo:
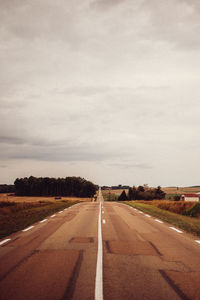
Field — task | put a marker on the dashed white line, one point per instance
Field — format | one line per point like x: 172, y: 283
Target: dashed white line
x: 197, y: 241
x: 99, y: 267
x: 60, y: 212
x: 158, y: 221
x: 53, y: 216
x: 4, y: 241
x: 43, y: 221
x: 102, y: 212
x: 148, y: 216
x: 28, y: 228
x: 177, y: 230
x: 104, y: 221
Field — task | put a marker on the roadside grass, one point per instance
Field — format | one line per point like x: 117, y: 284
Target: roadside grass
x: 17, y: 216
x: 188, y: 224
x: 178, y: 207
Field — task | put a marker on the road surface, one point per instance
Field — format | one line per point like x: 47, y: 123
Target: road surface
x: 99, y: 250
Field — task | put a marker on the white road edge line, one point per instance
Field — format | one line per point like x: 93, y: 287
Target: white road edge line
x: 99, y: 267
x: 4, y: 241
x: 197, y: 241
x: 173, y: 228
x: 43, y: 221
x: 158, y: 221
x: 28, y: 228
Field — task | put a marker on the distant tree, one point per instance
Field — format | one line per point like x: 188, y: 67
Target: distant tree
x: 177, y: 198
x: 123, y: 196
x: 140, y: 188
x: 130, y: 194
x: 159, y: 194
x: 69, y: 186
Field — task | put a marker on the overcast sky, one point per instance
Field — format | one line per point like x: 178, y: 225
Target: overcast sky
x: 108, y: 90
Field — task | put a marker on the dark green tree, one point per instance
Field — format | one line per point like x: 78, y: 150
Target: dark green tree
x: 123, y: 196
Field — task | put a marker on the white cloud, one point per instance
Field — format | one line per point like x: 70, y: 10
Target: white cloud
x: 99, y: 86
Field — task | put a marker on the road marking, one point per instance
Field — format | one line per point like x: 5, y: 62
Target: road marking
x: 53, y: 216
x: 102, y: 212
x: 140, y: 212
x: 99, y: 267
x: 148, y: 216
x: 104, y: 221
x: 173, y: 228
x: 4, y: 241
x: 43, y: 221
x: 197, y: 241
x: 28, y: 228
x: 158, y: 221
x: 60, y: 212
x: 140, y: 238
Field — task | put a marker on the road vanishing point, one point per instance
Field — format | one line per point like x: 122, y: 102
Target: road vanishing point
x: 99, y: 250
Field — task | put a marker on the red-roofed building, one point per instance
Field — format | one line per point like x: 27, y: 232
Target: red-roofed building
x: 191, y: 197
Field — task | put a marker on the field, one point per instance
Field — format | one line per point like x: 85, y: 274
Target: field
x: 6, y: 197
x: 170, y: 191
x: 180, y: 190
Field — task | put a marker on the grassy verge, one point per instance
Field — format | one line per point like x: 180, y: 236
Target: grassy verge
x: 20, y: 215
x: 188, y: 224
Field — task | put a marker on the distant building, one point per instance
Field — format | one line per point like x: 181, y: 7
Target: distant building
x: 191, y: 197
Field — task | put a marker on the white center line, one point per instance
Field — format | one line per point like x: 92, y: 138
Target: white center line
x: 99, y: 267
x: 4, y: 241
x: 53, y: 216
x: 104, y: 221
x: 43, y: 221
x: 28, y: 228
x: 148, y: 216
x: 197, y: 241
x: 173, y: 228
x: 158, y: 221
x: 102, y: 212
x: 60, y: 212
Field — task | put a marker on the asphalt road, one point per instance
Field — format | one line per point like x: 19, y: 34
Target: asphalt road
x: 65, y: 257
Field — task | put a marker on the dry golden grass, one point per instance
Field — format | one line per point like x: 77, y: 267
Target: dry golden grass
x: 177, y: 207
x: 6, y: 197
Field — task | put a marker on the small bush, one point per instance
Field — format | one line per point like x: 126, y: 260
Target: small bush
x: 177, y: 198
x: 193, y: 211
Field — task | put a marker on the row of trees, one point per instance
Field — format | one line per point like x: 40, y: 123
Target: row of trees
x: 142, y: 193
x: 45, y: 186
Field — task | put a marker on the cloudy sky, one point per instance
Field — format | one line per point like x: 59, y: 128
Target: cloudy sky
x: 104, y: 89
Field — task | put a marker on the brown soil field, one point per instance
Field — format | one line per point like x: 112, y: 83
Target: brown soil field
x: 180, y: 190
x: 6, y: 197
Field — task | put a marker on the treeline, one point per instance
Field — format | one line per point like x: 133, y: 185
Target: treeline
x: 115, y: 187
x: 45, y: 186
x: 141, y: 193
x: 7, y: 188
